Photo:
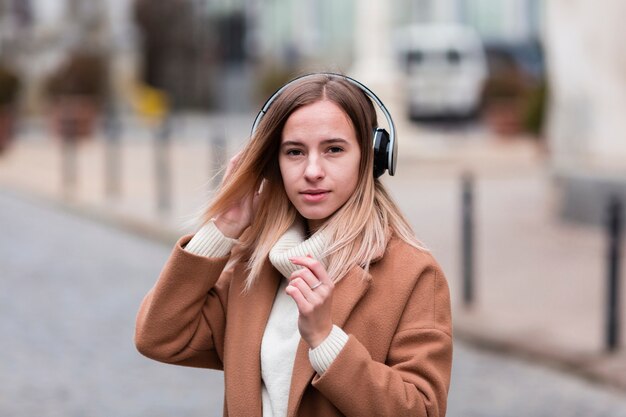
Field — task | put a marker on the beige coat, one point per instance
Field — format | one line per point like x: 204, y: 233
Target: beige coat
x: 397, y: 360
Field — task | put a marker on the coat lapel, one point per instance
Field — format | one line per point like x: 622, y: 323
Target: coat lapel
x: 248, y: 321
x: 346, y: 295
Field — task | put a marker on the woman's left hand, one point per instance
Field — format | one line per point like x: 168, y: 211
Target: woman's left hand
x: 312, y: 290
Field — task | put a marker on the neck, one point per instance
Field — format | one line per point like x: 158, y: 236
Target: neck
x: 313, y: 225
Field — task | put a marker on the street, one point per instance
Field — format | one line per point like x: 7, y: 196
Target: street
x: 70, y: 291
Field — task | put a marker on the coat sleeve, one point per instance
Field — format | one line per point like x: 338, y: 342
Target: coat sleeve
x: 415, y: 378
x: 181, y: 320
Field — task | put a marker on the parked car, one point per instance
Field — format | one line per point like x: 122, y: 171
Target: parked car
x: 446, y: 68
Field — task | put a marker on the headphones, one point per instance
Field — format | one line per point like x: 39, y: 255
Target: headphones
x: 385, y: 143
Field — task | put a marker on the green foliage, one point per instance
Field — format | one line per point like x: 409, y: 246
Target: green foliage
x: 536, y: 109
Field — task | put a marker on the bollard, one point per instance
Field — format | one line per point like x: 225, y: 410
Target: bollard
x: 467, y: 233
x: 112, y: 177
x: 162, y: 166
x: 614, y: 231
x: 69, y: 137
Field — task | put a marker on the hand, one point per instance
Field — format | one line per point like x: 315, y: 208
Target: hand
x: 314, y: 304
x: 237, y: 217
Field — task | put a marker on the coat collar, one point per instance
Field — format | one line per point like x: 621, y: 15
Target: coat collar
x: 250, y: 319
x: 251, y: 316
x: 346, y: 295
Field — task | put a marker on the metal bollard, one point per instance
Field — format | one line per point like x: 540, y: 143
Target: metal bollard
x: 112, y: 177
x: 162, y: 166
x: 614, y: 229
x: 69, y: 137
x: 467, y: 224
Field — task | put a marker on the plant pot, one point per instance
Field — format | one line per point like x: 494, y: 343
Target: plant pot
x: 505, y: 117
x: 74, y: 117
x: 7, y: 127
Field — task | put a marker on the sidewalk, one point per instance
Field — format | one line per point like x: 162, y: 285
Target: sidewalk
x: 540, y: 282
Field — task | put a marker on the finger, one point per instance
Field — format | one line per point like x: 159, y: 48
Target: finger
x: 303, y: 305
x: 234, y: 161
x: 255, y: 203
x: 310, y: 296
x: 306, y: 275
x: 257, y: 196
x: 315, y: 266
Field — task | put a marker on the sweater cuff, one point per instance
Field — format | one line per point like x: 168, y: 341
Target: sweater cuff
x: 210, y: 242
x: 323, y: 356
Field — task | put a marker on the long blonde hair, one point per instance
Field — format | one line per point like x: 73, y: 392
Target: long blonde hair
x: 358, y: 232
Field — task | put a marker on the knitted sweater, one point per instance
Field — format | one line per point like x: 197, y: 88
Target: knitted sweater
x: 281, y: 336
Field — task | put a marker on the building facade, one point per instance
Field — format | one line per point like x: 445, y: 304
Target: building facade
x: 281, y: 36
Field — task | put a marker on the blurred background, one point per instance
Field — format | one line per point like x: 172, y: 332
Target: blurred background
x: 117, y: 116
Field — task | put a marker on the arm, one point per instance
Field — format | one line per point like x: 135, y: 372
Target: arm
x: 415, y: 377
x: 181, y: 320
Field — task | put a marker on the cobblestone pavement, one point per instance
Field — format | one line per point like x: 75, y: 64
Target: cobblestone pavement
x: 485, y: 384
x: 70, y: 291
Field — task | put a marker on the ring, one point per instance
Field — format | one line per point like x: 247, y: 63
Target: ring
x: 316, y: 285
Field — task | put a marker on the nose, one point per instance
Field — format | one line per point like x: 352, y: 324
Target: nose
x: 314, y: 170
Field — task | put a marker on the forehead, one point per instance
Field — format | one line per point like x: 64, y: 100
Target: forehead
x: 321, y: 119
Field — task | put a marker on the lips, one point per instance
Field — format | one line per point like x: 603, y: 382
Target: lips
x: 314, y: 196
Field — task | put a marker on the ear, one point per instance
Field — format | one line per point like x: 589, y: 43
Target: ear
x: 381, y: 152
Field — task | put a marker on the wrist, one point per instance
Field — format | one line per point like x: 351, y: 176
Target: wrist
x: 325, y: 354
x: 318, y: 339
x: 228, y: 229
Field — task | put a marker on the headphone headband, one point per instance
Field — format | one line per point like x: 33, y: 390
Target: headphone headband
x: 392, y: 148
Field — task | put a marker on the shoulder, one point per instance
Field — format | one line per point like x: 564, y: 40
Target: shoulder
x: 413, y: 278
x: 399, y: 254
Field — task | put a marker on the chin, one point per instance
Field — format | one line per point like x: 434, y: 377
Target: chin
x: 309, y: 214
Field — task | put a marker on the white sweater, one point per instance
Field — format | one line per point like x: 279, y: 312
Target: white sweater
x: 281, y: 336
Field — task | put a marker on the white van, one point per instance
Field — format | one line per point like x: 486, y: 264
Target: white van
x: 446, y: 69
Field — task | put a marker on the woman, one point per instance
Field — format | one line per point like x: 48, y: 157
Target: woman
x: 306, y: 284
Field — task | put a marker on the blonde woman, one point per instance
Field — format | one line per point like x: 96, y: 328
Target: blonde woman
x: 305, y: 284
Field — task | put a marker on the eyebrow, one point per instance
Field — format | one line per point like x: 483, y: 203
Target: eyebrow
x: 324, y: 142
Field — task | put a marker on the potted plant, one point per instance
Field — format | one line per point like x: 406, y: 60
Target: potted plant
x: 504, y: 101
x: 9, y: 87
x: 77, y: 91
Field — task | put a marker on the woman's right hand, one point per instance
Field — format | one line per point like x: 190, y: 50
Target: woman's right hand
x: 233, y: 221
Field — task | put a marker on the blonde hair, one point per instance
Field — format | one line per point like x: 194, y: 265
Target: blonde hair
x: 358, y: 232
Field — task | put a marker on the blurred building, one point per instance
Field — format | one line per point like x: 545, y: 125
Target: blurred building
x: 225, y: 53
x: 36, y: 35
x: 515, y: 20
x: 588, y: 102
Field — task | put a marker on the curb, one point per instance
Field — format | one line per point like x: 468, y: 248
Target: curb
x: 592, y: 367
x: 121, y: 222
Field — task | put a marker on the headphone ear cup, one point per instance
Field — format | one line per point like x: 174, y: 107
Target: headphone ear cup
x: 381, y: 152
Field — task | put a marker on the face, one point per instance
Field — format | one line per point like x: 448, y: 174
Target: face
x: 319, y: 160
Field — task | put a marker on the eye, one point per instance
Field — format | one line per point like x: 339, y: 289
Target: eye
x: 335, y: 149
x: 293, y: 152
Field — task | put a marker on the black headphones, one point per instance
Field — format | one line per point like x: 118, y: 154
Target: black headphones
x: 385, y: 143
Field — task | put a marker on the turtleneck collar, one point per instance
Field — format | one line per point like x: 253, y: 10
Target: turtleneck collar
x: 294, y: 243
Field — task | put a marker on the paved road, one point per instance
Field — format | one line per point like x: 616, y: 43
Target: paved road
x: 489, y: 385
x: 70, y: 290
